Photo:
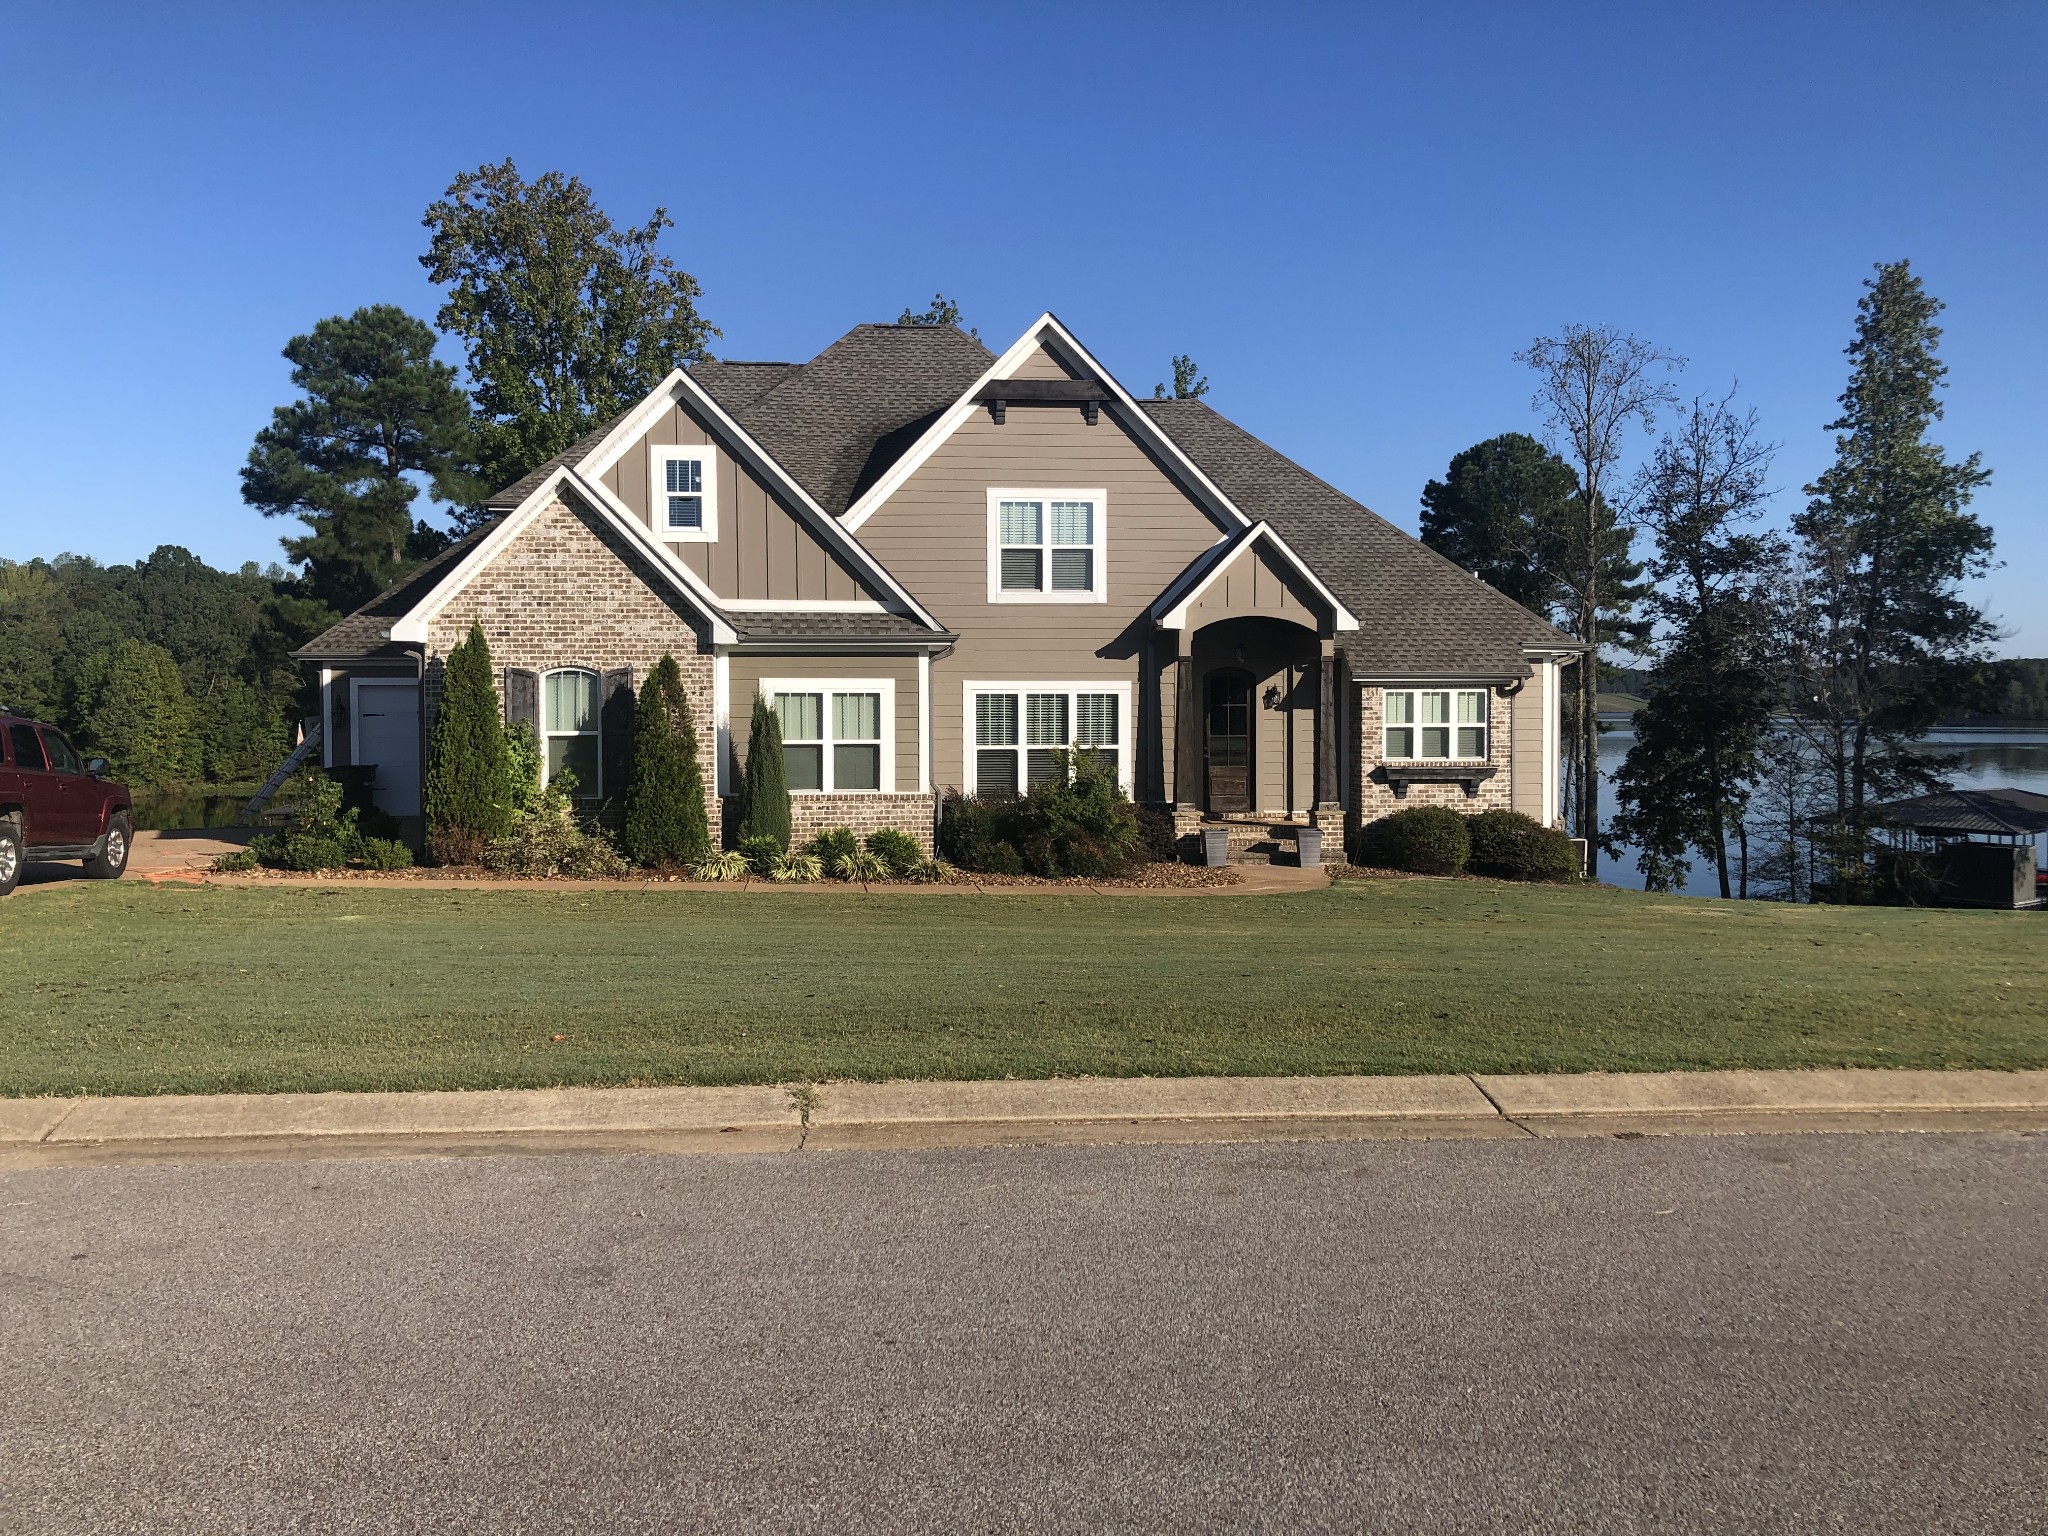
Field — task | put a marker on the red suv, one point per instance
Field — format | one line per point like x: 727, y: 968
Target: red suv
x: 53, y: 806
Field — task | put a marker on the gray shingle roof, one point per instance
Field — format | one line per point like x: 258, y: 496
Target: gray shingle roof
x: 575, y: 453
x: 832, y: 626
x: 733, y: 385
x: 367, y: 631
x: 1417, y: 612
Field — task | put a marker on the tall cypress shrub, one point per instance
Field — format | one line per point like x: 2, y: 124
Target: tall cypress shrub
x: 468, y: 793
x: 665, y: 821
x: 765, y: 786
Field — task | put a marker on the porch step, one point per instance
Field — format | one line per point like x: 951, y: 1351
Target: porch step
x: 1262, y: 840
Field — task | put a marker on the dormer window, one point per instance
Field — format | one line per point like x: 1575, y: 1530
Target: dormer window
x: 1046, y: 546
x: 684, y: 500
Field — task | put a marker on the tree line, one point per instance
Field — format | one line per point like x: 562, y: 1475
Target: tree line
x: 1791, y: 675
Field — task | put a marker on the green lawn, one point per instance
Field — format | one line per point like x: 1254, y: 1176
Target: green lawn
x: 132, y: 989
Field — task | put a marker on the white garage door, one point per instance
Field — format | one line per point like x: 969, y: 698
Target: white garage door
x: 388, y: 734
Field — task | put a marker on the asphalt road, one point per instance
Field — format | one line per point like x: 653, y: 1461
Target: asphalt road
x: 1784, y: 1334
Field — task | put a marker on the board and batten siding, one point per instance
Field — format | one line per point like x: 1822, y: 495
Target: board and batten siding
x: 764, y: 551
x: 1255, y: 584
x: 748, y: 670
x: 932, y: 535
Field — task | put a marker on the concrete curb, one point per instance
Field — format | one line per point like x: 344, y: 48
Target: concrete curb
x: 36, y: 1132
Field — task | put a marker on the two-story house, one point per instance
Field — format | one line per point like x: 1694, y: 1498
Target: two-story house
x: 942, y: 566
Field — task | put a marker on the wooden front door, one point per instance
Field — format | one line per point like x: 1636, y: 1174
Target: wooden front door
x: 1227, y: 741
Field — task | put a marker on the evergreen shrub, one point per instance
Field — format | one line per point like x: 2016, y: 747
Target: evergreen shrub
x: 831, y: 846
x: 1071, y: 824
x: 1510, y: 846
x: 1423, y: 839
x: 322, y: 835
x: 468, y: 794
x: 898, y: 850
x: 665, y: 824
x: 552, y: 841
x: 764, y: 788
x: 761, y: 853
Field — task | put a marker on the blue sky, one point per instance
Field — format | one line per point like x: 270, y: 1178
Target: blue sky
x: 1350, y: 215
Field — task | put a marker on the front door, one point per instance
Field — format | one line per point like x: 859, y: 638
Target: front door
x: 388, y: 735
x: 1227, y: 741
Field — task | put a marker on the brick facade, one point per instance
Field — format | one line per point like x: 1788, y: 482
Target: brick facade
x: 1371, y: 799
x: 812, y: 814
x: 569, y: 591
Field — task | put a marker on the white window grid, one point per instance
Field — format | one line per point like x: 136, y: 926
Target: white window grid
x: 1443, y: 725
x: 570, y: 717
x: 682, y: 492
x: 840, y: 720
x: 1028, y: 722
x: 1047, y: 546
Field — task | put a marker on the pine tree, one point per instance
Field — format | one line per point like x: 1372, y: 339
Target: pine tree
x: 1884, y: 642
x: 665, y: 821
x: 468, y: 793
x: 765, y: 788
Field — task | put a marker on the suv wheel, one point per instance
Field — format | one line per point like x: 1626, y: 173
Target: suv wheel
x: 10, y: 852
x: 112, y: 858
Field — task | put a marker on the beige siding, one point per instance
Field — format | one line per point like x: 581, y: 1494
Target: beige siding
x: 749, y: 670
x: 1527, y: 734
x: 933, y: 536
x: 764, y: 550
x: 1041, y: 364
x: 1255, y: 582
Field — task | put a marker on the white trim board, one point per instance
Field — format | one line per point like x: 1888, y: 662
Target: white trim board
x: 705, y: 456
x: 1176, y: 617
x: 1098, y: 590
x: 1127, y: 728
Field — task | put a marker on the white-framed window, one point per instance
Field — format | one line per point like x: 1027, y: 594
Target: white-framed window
x: 838, y: 734
x: 1440, y: 723
x: 682, y: 493
x: 1015, y: 732
x: 1047, y: 546
x: 568, y: 728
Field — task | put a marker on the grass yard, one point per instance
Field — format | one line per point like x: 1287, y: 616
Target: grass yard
x: 132, y: 989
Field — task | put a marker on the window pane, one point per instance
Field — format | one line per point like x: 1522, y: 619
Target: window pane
x: 1021, y: 521
x: 1436, y: 708
x: 686, y: 511
x: 1471, y: 741
x: 995, y: 720
x: 1400, y: 709
x: 995, y: 773
x: 28, y: 749
x: 1105, y: 759
x: 856, y: 767
x: 1045, y: 720
x: 1043, y: 767
x: 62, y: 758
x: 856, y: 717
x: 1471, y: 709
x: 685, y: 476
x: 803, y: 718
x: 1020, y: 570
x: 1095, y: 719
x: 578, y: 754
x: 1401, y: 741
x: 1073, y: 522
x: 1073, y: 570
x: 571, y: 702
x: 804, y: 767
x: 1436, y: 741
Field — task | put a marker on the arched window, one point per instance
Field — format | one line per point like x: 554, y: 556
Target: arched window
x: 568, y: 725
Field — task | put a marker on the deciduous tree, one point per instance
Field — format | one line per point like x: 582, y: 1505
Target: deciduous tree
x: 943, y: 311
x: 133, y: 708
x: 1188, y: 381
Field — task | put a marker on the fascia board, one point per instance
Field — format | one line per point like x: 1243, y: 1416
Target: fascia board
x: 1176, y: 616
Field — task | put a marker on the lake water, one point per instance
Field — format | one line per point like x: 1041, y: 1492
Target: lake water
x: 2006, y: 759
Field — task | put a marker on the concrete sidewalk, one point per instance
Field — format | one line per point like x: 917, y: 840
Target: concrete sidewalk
x: 1060, y: 1111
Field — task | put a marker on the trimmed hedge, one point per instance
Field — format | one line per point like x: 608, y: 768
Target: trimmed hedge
x: 1424, y: 840
x: 1510, y: 846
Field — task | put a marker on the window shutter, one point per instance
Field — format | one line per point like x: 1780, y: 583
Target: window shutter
x: 615, y: 730
x: 522, y: 697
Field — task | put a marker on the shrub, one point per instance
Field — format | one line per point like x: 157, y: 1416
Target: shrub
x: 523, y: 765
x: 468, y: 794
x: 797, y: 868
x: 1424, y: 839
x: 238, y: 861
x: 761, y: 853
x: 858, y: 865
x: 1002, y: 859
x: 1157, y: 840
x: 832, y: 846
x: 665, y: 822
x: 552, y: 841
x: 1511, y: 846
x: 898, y: 850
x: 724, y: 866
x: 764, y: 789
x: 1078, y: 825
x: 322, y: 835
x: 967, y: 830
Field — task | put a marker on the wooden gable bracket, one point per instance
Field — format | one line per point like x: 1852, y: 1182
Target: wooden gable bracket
x: 999, y: 394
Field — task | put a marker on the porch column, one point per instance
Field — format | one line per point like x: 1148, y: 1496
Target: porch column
x: 1327, y: 726
x: 1187, y: 728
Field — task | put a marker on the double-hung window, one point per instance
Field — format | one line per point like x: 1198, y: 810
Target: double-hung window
x: 1020, y: 730
x: 1046, y: 546
x: 569, y: 727
x: 837, y: 737
x: 1445, y: 723
x: 683, y: 493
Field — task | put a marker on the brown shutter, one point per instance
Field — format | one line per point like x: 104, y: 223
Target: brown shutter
x: 522, y: 697
x: 615, y: 731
